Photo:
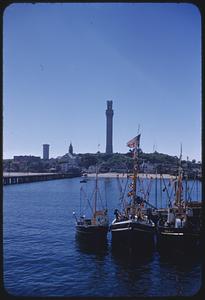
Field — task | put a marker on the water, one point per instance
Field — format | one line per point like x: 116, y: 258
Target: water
x: 42, y: 257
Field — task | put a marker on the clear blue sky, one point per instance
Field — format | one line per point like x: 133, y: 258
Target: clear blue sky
x: 62, y: 62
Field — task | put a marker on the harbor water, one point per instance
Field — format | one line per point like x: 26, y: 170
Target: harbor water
x: 42, y: 257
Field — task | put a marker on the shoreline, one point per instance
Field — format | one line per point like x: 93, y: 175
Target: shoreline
x: 124, y: 175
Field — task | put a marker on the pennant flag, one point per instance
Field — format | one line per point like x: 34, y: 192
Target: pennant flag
x: 135, y: 142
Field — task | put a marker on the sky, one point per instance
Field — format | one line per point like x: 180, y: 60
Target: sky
x: 62, y: 62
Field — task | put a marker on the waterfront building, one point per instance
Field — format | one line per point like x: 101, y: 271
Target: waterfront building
x: 67, y: 162
x: 46, y: 151
x: 24, y: 163
x: 109, y: 127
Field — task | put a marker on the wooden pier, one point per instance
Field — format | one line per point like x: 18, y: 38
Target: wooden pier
x: 17, y: 178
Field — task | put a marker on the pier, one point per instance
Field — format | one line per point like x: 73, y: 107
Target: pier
x: 17, y: 178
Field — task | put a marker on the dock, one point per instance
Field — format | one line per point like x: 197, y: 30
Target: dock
x: 17, y: 178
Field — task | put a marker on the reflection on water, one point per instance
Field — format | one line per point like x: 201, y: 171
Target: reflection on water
x: 176, y: 252
x: 129, y: 257
x: 181, y: 269
x: 145, y: 273
x: 133, y: 270
x: 189, y: 258
x: 133, y: 247
x: 91, y: 246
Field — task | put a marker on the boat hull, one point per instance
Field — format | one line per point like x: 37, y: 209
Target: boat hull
x: 94, y: 232
x: 132, y: 234
x: 177, y: 240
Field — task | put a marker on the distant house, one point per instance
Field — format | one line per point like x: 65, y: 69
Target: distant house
x: 197, y: 169
x: 148, y: 167
x: 26, y: 158
x: 67, y: 162
x: 92, y: 169
x: 24, y: 163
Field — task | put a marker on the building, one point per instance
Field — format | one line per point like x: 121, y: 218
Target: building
x: 26, y: 158
x: 109, y: 127
x: 70, y: 149
x: 67, y: 163
x: 46, y: 151
x: 25, y: 163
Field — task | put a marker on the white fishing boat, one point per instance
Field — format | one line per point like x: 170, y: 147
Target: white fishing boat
x: 176, y: 230
x: 96, y: 225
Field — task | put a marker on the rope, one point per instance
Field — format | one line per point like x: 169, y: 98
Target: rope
x: 189, y: 196
x: 169, y: 198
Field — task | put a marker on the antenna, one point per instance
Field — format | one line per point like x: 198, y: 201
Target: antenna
x: 180, y: 152
x: 138, y: 130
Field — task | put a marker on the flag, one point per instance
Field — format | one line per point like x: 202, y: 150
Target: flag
x: 135, y: 142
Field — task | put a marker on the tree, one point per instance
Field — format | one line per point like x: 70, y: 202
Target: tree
x: 88, y: 160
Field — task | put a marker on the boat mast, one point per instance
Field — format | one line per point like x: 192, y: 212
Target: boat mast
x: 160, y: 184
x: 179, y: 182
x: 135, y: 162
x: 96, y: 188
x: 134, y: 144
x: 156, y: 188
x: 197, y: 186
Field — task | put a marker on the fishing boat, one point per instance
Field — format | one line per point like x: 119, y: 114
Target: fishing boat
x: 177, y: 229
x: 132, y: 225
x: 96, y: 226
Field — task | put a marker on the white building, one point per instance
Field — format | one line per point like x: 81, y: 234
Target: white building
x: 67, y: 162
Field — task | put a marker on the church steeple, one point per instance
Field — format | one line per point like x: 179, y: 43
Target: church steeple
x: 70, y: 149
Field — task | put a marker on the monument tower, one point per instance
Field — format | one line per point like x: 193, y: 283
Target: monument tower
x: 109, y: 116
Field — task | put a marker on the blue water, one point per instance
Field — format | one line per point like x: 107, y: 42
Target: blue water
x: 42, y: 257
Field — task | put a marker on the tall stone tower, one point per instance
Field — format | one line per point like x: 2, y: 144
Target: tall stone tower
x: 109, y: 116
x: 46, y: 151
